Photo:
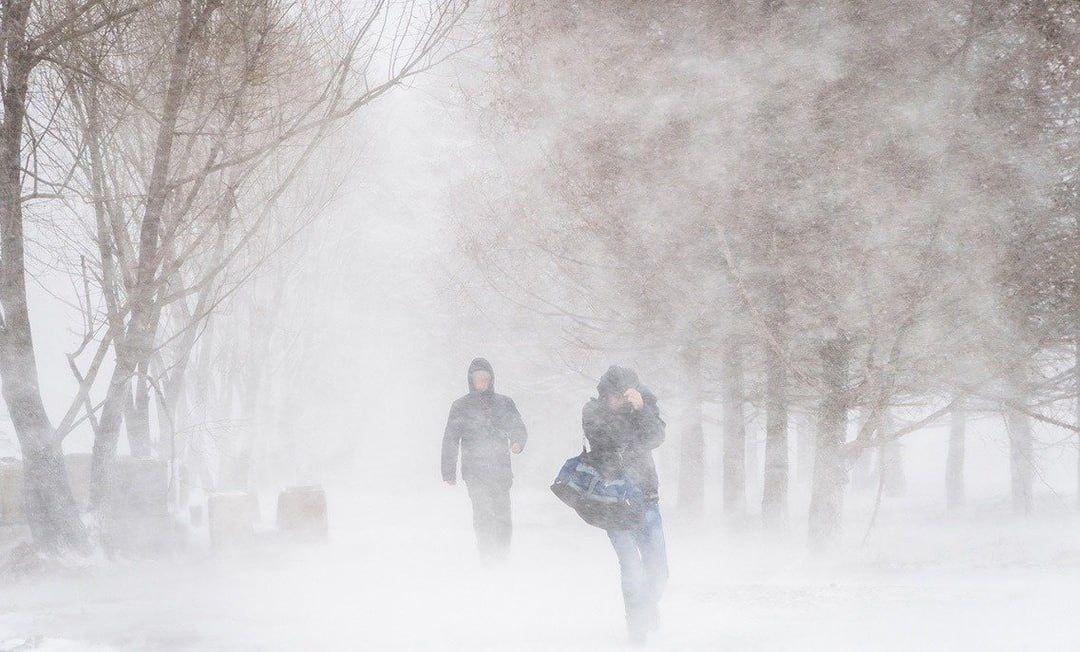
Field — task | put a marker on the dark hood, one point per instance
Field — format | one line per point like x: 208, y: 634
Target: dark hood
x: 477, y: 365
x: 617, y: 380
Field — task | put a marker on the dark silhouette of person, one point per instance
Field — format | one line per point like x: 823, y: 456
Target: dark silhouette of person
x: 486, y: 428
x: 623, y: 426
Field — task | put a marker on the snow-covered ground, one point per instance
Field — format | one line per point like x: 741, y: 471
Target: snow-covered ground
x: 400, y: 572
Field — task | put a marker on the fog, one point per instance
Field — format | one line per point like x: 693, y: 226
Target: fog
x: 836, y: 242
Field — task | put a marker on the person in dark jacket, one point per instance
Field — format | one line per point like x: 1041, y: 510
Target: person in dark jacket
x: 486, y: 428
x: 623, y: 426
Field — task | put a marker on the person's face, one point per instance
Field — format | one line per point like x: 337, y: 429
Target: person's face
x: 617, y: 402
x: 481, y: 380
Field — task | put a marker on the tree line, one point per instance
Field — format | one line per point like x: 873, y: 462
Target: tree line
x: 153, y: 152
x: 860, y: 209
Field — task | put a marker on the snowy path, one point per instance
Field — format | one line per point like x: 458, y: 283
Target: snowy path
x: 413, y: 583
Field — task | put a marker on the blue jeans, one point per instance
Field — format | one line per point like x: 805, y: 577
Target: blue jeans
x: 643, y: 563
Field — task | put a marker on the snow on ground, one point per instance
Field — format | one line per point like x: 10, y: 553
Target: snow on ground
x: 400, y: 572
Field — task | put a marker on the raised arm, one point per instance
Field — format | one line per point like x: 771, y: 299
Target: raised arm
x: 651, y: 425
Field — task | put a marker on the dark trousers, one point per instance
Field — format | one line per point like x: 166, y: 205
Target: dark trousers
x: 491, y: 519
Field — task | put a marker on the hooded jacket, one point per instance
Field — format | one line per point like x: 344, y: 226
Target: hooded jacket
x: 483, y: 426
x: 622, y: 442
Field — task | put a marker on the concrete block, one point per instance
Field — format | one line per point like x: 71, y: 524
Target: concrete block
x: 136, y: 519
x: 302, y: 511
x: 78, y: 469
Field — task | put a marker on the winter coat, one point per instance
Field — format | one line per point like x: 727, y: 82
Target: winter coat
x: 622, y: 442
x: 483, y: 425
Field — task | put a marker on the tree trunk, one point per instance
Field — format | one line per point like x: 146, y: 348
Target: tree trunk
x: 734, y: 429
x: 1021, y: 459
x: 51, y: 510
x: 954, y: 464
x: 774, y: 495
x: 1021, y: 445
x: 49, y: 505
x: 692, y: 443
x: 166, y: 404
x: 863, y: 476
x: 804, y: 454
x: 107, y: 437
x: 891, y: 467
x: 137, y: 418
x: 752, y: 460
x: 830, y: 469
x: 136, y: 344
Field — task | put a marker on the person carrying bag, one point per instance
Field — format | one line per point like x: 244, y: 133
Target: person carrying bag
x: 613, y: 485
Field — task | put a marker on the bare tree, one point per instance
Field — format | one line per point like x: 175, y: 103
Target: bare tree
x: 33, y: 32
x: 181, y: 185
x: 236, y: 125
